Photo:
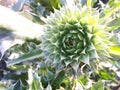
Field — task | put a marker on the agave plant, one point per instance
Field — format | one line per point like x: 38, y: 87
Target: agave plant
x: 75, y: 35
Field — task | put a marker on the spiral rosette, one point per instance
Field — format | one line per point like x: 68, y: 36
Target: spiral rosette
x: 74, y: 36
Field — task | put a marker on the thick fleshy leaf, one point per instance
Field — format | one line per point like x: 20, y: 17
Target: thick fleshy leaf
x: 93, y: 54
x: 90, y: 3
x: 16, y: 77
x: 84, y: 79
x: 114, y: 8
x: 50, y: 4
x: 75, y: 66
x: 18, y: 86
x: 98, y: 86
x: 114, y: 24
x: 67, y: 62
x: 106, y: 74
x: 34, y: 80
x: 58, y: 79
x: 115, y: 50
x: 28, y: 56
x: 84, y: 59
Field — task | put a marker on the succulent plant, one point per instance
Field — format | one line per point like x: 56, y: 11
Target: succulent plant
x: 74, y: 35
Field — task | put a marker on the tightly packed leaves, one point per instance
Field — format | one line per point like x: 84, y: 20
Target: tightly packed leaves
x: 74, y: 36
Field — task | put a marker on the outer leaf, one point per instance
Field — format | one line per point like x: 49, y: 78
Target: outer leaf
x: 111, y: 3
x: 106, y: 74
x: 83, y: 79
x: 28, y: 56
x: 57, y: 81
x: 19, y: 86
x: 115, y: 7
x: 98, y: 86
x: 115, y: 50
x: 34, y: 80
x: 50, y: 4
x: 16, y: 77
x: 114, y: 24
x: 90, y: 3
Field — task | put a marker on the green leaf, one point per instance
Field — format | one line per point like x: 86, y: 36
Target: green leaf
x: 115, y: 50
x: 111, y: 3
x: 90, y: 3
x: 17, y: 86
x: 98, y: 86
x: 26, y: 57
x: 34, y: 80
x: 44, y: 81
x: 16, y: 77
x: 114, y: 8
x: 83, y: 79
x: 114, y: 24
x: 75, y: 66
x: 19, y: 67
x: 35, y: 84
x: 106, y: 74
x: 93, y: 54
x: 85, y: 59
x: 58, y: 79
x: 50, y: 4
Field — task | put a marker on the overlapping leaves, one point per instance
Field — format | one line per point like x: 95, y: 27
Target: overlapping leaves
x: 74, y: 36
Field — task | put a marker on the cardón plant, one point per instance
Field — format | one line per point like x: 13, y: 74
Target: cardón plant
x: 75, y: 35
